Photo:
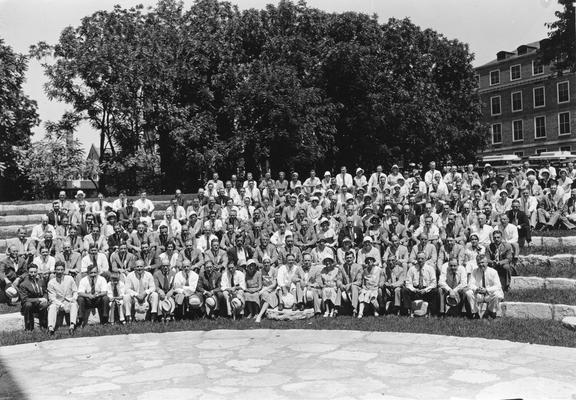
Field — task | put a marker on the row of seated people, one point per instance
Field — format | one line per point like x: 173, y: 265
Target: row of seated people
x: 249, y: 288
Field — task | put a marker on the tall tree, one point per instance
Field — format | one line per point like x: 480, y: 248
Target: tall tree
x: 560, y: 46
x: 17, y: 117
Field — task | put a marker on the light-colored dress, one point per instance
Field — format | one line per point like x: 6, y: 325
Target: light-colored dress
x: 370, y: 281
x: 330, y: 283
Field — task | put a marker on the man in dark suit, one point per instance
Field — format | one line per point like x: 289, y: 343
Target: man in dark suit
x: 34, y: 297
x: 521, y: 220
x: 55, y: 215
x: 11, y: 268
x: 128, y: 213
x: 354, y: 233
x: 240, y: 251
x: 500, y: 256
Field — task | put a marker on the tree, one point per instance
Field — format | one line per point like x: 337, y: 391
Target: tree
x: 559, y: 48
x: 17, y: 118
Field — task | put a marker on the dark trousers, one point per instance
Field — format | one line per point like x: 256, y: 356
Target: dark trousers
x: 100, y: 303
x: 431, y: 298
x: 29, y: 308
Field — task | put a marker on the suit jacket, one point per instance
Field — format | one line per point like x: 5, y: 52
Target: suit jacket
x: 29, y: 293
x: 115, y: 240
x: 125, y: 215
x: 12, y: 269
x: 126, y: 265
x: 73, y: 263
x: 218, y: 259
x: 521, y: 218
x: 55, y: 218
x: 355, y: 236
x: 160, y: 282
x: 233, y: 254
x: 151, y: 260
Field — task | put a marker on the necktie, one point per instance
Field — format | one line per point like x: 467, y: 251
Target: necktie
x: 166, y: 283
x: 421, y: 280
x: 37, y: 288
x: 115, y: 290
x: 483, y: 279
x: 140, y: 287
x: 81, y: 218
x: 453, y: 279
x: 92, y: 286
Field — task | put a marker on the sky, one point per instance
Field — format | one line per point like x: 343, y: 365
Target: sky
x: 488, y: 26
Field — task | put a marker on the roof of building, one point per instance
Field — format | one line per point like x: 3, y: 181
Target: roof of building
x: 518, y: 52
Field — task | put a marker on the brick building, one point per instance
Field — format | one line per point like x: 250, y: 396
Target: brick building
x: 529, y: 108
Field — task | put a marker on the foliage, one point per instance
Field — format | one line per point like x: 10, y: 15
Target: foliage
x: 560, y: 47
x: 212, y: 87
x: 17, y: 117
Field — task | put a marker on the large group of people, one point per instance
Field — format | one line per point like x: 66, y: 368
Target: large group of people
x: 434, y: 242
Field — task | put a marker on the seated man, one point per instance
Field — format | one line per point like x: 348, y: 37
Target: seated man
x: 119, y: 299
x: 351, y: 282
x: 209, y: 285
x: 11, y: 268
x: 94, y: 258
x: 485, y: 285
x: 185, y: 290
x: 286, y: 285
x: 371, y: 282
x: 141, y: 289
x: 121, y: 260
x: 393, y: 280
x: 70, y: 258
x: 93, y: 293
x: 453, y: 288
x: 34, y: 298
x: 233, y: 285
x: 420, y: 284
x: 499, y: 257
x: 62, y: 294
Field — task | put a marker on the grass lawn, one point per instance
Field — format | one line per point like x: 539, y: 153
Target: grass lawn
x: 554, y: 296
x: 5, y: 309
x: 518, y: 330
x: 556, y: 270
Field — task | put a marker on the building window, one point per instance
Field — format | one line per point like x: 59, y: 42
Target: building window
x: 540, y: 151
x: 539, y: 97
x: 540, y: 127
x: 564, y: 123
x: 496, y: 133
x: 519, y: 154
x: 516, y: 101
x: 566, y: 148
x: 563, y: 92
x: 495, y: 107
x: 537, y: 68
x: 517, y: 130
x: 494, y: 77
x: 515, y: 72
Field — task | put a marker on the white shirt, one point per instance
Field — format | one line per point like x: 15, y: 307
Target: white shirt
x: 174, y: 226
x: 239, y: 280
x: 40, y: 230
x: 510, y: 233
x: 44, y: 266
x: 145, y: 283
x: 344, y: 180
x: 183, y: 285
x: 146, y: 203
x: 285, y: 276
x: 100, y: 285
x: 483, y: 234
x: 493, y: 285
x: 101, y: 261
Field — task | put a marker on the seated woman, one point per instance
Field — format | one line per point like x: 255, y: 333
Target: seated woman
x: 370, y: 283
x: 268, y: 295
x: 331, y: 281
x: 253, y: 288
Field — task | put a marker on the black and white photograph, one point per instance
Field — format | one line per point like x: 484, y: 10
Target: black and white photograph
x: 287, y: 199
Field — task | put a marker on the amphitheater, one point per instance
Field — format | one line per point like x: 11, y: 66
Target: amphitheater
x: 288, y: 364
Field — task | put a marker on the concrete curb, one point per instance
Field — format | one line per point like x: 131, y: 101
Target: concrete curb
x: 555, y: 312
x: 532, y: 282
x: 543, y: 241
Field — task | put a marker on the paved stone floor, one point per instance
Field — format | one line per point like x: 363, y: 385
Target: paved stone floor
x: 289, y: 364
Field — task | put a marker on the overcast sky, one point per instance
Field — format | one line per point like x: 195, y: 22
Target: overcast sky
x: 486, y: 25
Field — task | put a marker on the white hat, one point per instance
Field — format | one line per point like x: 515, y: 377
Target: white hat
x: 211, y: 302
x: 327, y: 173
x: 168, y: 305
x: 78, y: 193
x: 308, y: 296
x: 288, y: 300
x: 12, y: 292
x: 387, y: 207
x: 367, y: 239
x: 359, y: 170
x: 314, y: 198
x: 395, y: 166
x: 236, y: 303
x: 419, y: 308
x: 194, y: 301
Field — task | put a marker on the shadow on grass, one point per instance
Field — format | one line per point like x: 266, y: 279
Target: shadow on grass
x: 9, y: 388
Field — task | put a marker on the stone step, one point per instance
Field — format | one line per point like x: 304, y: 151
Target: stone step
x: 20, y: 219
x: 544, y: 241
x: 555, y: 312
x: 542, y: 261
x: 15, y: 321
x: 533, y: 282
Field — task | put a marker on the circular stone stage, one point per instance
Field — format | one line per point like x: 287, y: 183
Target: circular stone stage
x: 287, y: 364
